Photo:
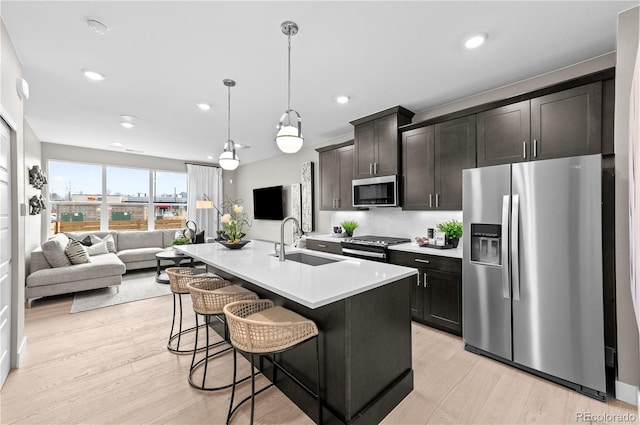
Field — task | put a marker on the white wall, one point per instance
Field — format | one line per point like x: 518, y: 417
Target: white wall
x: 627, y: 45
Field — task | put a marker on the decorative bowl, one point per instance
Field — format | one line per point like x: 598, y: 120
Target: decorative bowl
x: 234, y: 245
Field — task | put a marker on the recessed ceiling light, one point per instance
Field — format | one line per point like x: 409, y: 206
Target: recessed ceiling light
x: 93, y: 75
x: 203, y: 106
x: 97, y: 26
x: 475, y: 41
x: 209, y: 157
x: 116, y: 144
x: 343, y: 99
x: 128, y: 121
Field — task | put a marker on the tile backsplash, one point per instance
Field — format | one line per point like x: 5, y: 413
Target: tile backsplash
x: 394, y: 221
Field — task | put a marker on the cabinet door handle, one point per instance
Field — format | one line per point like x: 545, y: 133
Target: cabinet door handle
x: 338, y: 203
x: 321, y: 246
x: 375, y: 168
x: 426, y: 279
x: 370, y: 168
x: 535, y: 148
x: 524, y: 149
x: 418, y: 280
x: 418, y: 260
x: 430, y: 201
x: 437, y: 200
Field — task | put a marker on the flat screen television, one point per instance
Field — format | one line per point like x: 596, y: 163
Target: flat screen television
x: 268, y: 203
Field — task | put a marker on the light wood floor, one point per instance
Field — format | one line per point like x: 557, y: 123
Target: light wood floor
x: 110, y: 366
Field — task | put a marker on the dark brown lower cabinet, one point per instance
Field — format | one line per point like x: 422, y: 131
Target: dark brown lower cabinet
x: 436, y: 296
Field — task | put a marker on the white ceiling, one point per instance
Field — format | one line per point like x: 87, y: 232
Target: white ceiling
x: 162, y: 57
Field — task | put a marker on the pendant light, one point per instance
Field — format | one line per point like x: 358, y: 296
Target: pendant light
x: 289, y: 137
x: 228, y: 159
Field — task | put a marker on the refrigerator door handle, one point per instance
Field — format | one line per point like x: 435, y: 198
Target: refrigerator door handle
x: 505, y: 247
x: 515, y: 239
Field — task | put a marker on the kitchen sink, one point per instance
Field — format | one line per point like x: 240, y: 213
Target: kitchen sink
x: 311, y: 260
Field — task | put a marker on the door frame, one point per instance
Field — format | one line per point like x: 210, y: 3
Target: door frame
x: 18, y: 348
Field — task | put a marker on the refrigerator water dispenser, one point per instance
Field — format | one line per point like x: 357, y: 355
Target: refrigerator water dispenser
x: 486, y: 244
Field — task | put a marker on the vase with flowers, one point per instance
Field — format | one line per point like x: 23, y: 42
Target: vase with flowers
x: 234, y: 224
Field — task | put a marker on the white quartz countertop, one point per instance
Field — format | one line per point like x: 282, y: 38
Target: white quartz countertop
x: 407, y: 247
x: 311, y: 286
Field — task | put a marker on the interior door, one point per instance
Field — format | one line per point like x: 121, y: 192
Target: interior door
x: 5, y: 253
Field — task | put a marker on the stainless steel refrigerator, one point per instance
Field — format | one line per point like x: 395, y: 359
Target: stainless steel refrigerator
x: 532, y: 268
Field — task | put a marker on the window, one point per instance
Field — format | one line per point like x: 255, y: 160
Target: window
x: 127, y: 198
x: 170, y: 191
x: 73, y: 182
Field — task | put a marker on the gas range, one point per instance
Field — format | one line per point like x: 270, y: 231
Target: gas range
x: 381, y: 241
x: 370, y: 247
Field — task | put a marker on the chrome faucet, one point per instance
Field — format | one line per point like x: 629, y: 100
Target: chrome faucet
x: 295, y: 220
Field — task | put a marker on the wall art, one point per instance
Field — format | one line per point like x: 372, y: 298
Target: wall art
x: 36, y: 177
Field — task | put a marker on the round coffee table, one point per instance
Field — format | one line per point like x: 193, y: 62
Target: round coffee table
x: 170, y: 254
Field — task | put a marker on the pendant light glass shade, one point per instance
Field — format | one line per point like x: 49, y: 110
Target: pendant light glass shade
x: 289, y: 137
x: 289, y: 140
x: 228, y: 159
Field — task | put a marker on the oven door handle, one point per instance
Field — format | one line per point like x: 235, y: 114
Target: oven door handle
x: 364, y: 253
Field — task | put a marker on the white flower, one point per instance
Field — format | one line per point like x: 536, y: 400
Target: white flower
x: 226, y: 218
x: 237, y: 209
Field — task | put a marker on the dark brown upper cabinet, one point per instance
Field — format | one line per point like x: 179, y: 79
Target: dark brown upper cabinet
x: 376, y: 142
x: 565, y: 123
x: 504, y: 134
x: 336, y: 173
x: 433, y: 158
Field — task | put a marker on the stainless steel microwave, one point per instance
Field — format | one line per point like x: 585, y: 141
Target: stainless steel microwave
x: 375, y: 192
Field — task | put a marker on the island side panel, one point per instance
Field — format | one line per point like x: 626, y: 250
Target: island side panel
x: 378, y: 338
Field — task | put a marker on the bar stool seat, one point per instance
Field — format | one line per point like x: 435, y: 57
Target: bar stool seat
x: 209, y: 298
x: 260, y: 328
x: 179, y: 277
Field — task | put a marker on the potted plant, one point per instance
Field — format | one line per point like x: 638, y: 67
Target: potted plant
x: 453, y: 231
x: 349, y: 226
x: 234, y: 223
x: 179, y: 241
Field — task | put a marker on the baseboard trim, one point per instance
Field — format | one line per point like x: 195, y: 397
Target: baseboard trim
x: 627, y: 393
x: 21, y: 353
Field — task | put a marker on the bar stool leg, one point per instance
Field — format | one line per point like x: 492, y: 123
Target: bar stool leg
x: 180, y: 327
x: 233, y: 388
x: 253, y: 389
x: 195, y: 350
x: 206, y: 362
x: 173, y: 322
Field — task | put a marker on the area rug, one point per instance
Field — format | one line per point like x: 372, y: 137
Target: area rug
x: 136, y: 285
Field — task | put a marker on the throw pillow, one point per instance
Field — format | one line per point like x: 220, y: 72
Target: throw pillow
x: 77, y: 253
x: 97, y: 248
x: 111, y: 244
x: 53, y: 250
x: 94, y: 239
x: 86, y: 241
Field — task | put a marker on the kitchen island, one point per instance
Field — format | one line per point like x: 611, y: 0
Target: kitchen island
x: 362, y: 310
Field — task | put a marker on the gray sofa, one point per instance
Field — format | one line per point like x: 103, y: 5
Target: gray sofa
x: 135, y: 250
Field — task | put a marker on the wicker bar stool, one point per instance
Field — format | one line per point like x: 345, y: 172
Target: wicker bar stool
x: 179, y: 277
x: 259, y: 328
x: 209, y: 298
